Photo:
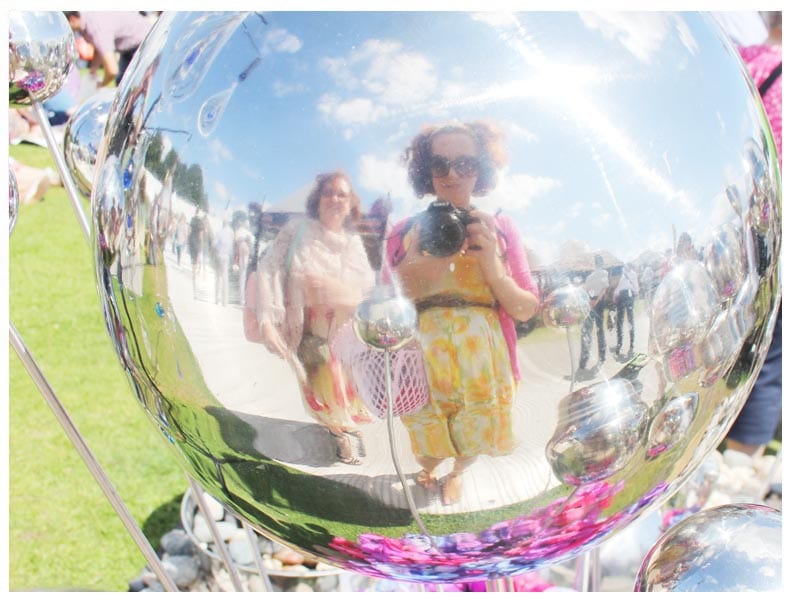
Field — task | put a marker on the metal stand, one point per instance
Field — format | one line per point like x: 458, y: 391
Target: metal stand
x: 393, y: 449
x: 588, y: 572
x: 90, y: 461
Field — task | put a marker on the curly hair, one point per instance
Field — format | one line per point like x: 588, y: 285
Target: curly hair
x: 314, y: 198
x: 488, y: 139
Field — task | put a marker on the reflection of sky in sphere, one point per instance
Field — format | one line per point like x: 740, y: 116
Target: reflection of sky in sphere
x: 611, y: 120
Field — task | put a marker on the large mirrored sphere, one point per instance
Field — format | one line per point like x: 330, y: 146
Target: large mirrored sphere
x: 41, y: 53
x: 730, y: 548
x: 262, y: 173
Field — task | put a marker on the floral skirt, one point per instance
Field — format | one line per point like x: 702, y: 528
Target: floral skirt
x: 472, y: 386
x: 331, y: 399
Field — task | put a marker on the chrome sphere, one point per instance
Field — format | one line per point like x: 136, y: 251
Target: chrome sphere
x: 599, y: 430
x: 729, y: 548
x: 41, y: 52
x: 566, y: 306
x: 13, y: 200
x: 229, y: 117
x: 671, y: 424
x: 385, y: 320
x: 84, y: 135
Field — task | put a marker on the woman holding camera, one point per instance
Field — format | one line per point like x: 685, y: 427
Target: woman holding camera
x: 467, y: 273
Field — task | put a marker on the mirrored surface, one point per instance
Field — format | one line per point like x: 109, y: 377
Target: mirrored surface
x: 730, y: 548
x: 580, y: 209
x: 41, y: 53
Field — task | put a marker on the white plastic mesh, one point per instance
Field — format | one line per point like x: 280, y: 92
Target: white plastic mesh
x: 367, y: 370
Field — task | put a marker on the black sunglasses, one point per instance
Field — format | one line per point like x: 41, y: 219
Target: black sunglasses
x: 465, y: 166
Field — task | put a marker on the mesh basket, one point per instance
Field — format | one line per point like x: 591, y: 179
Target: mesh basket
x: 367, y: 370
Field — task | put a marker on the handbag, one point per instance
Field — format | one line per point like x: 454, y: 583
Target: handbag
x: 366, y: 368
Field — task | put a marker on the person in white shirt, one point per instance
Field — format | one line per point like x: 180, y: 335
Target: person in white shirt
x: 624, y: 293
x: 595, y: 285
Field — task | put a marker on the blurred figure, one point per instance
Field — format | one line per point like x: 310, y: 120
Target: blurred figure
x: 195, y: 242
x: 595, y: 285
x: 625, y: 292
x: 181, y: 235
x: 108, y: 33
x: 223, y: 255
x: 244, y: 242
x: 309, y: 282
x: 32, y: 183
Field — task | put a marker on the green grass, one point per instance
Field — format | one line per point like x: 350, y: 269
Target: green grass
x: 63, y: 533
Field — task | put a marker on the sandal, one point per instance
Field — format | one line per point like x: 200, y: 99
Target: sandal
x: 426, y: 481
x: 345, y: 450
x: 452, y: 488
x: 357, y: 435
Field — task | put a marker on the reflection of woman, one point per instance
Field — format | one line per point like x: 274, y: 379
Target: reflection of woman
x: 310, y: 280
x: 467, y: 303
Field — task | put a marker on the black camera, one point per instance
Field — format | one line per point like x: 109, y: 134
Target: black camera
x: 443, y: 229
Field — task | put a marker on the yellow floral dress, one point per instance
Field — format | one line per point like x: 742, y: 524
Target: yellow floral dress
x: 468, y: 368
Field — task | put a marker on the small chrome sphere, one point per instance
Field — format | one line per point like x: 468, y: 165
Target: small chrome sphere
x: 385, y: 320
x: 600, y: 427
x: 684, y: 305
x: 566, y: 306
x: 13, y: 200
x: 729, y: 548
x: 83, y: 137
x: 41, y: 52
x: 671, y: 424
x: 725, y: 261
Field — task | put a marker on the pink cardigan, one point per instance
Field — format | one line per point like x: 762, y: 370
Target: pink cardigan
x: 515, y: 263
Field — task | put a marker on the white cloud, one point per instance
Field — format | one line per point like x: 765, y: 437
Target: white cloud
x: 639, y: 33
x: 376, y: 80
x: 386, y: 175
x: 496, y: 19
x: 281, y: 88
x: 280, y: 40
x: 219, y: 152
x: 221, y: 192
x: 515, y: 192
x: 356, y: 111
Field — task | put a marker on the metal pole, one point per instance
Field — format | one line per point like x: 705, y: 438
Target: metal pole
x: 256, y: 554
x: 87, y: 456
x: 393, y: 450
x: 65, y: 175
x: 235, y: 578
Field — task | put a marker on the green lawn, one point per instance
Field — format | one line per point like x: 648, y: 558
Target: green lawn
x: 63, y: 533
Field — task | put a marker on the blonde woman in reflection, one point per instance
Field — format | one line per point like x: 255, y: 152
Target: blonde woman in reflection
x: 467, y: 303
x: 310, y: 280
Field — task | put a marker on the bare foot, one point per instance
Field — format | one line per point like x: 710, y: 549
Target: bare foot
x: 452, y: 488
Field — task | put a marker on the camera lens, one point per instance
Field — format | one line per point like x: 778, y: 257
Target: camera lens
x: 442, y: 231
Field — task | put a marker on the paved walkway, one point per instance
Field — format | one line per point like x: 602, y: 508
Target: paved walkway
x: 262, y: 390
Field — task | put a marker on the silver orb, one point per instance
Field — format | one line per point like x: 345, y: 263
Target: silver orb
x: 671, y: 424
x: 729, y: 548
x: 566, y: 306
x: 725, y: 261
x: 385, y: 320
x: 683, y: 307
x: 13, y: 200
x: 41, y: 52
x: 599, y: 430
x: 84, y: 135
x: 241, y: 111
